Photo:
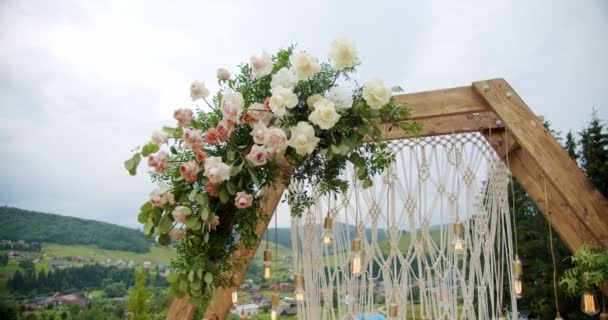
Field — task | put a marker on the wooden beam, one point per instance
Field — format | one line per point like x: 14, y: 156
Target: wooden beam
x: 565, y: 222
x: 547, y: 154
x: 440, y: 103
x: 220, y: 305
x: 458, y: 123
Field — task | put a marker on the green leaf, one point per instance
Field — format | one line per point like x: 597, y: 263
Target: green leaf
x: 165, y: 224
x: 335, y: 149
x: 224, y: 196
x: 172, y: 277
x: 193, y: 223
x: 142, y: 217
x: 367, y: 183
x: 149, y: 149
x: 199, y: 273
x: 344, y: 149
x: 149, y: 227
x: 146, y: 207
x: 164, y: 239
x: 230, y: 156
x: 208, y: 277
x: 174, y: 132
x: 201, y: 199
x: 231, y: 188
x: 235, y: 170
x: 173, y: 150
x: 254, y: 176
x: 204, y: 213
x: 131, y: 164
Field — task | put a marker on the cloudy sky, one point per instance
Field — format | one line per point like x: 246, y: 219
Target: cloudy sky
x: 83, y: 82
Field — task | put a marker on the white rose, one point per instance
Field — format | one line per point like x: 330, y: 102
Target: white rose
x: 223, y: 74
x: 341, y: 97
x: 259, y: 133
x: 303, y: 138
x: 304, y: 65
x: 284, y: 78
x: 232, y: 106
x: 281, y: 99
x: 376, y: 94
x: 261, y: 65
x: 159, y: 137
x: 275, y: 140
x: 198, y: 90
x: 343, y: 53
x: 325, y: 115
x: 216, y: 170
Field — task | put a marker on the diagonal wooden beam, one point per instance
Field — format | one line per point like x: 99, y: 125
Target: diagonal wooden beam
x: 565, y: 222
x: 544, y: 151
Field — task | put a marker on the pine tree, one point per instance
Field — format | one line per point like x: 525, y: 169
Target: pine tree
x: 137, y: 303
x: 571, y: 145
x: 594, y: 153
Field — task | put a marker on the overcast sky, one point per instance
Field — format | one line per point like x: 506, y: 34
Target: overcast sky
x: 83, y: 82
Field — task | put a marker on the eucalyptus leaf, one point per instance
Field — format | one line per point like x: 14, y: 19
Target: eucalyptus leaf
x: 191, y: 276
x: 142, y: 217
x: 204, y: 211
x: 165, y: 224
x: 231, y: 188
x: 208, y: 277
x: 149, y: 149
x: 367, y: 183
x: 172, y: 277
x: 224, y: 196
x: 149, y: 227
x: 131, y: 164
x: 201, y: 199
x: 164, y: 239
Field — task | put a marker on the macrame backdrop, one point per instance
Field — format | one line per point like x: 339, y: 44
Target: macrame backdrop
x: 405, y: 222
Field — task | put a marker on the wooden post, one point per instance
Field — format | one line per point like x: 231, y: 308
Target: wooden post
x: 544, y: 152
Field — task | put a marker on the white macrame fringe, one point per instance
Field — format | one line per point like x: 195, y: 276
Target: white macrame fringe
x: 433, y: 180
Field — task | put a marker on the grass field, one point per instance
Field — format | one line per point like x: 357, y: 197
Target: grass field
x: 156, y: 255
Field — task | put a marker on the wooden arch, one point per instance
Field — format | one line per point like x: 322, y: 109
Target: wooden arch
x: 578, y: 212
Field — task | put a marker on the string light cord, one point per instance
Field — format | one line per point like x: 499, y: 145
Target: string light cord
x: 551, y: 247
x: 516, y: 240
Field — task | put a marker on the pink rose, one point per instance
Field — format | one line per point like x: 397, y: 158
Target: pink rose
x: 212, y: 136
x: 189, y: 171
x: 181, y: 213
x: 243, y: 200
x: 258, y: 112
x: 176, y: 234
x: 201, y: 156
x: 183, y: 117
x: 231, y: 111
x: 275, y: 141
x: 158, y: 161
x: 193, y: 139
x: 214, y: 223
x: 224, y: 129
x: 162, y: 195
x: 259, y: 133
x: 211, y: 189
x: 257, y: 156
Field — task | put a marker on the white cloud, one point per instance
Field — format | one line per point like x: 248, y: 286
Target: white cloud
x: 81, y: 83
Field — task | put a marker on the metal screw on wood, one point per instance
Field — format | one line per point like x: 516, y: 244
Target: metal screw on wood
x: 509, y: 95
x: 486, y: 87
x: 498, y: 123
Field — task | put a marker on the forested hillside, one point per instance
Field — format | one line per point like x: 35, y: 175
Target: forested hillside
x: 17, y: 224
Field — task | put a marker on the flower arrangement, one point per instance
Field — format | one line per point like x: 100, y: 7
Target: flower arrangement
x: 286, y: 115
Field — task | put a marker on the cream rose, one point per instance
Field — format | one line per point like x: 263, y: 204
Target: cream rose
x: 216, y: 170
x: 282, y: 99
x: 284, y: 78
x: 259, y: 133
x: 162, y: 195
x: 341, y: 97
x: 259, y: 113
x: 343, y: 53
x: 312, y: 100
x: 324, y: 115
x: 261, y: 65
x: 159, y: 137
x: 181, y: 213
x: 198, y: 90
x: 376, y: 94
x: 304, y: 65
x: 275, y: 140
x: 232, y: 106
x: 303, y: 138
x: 223, y: 74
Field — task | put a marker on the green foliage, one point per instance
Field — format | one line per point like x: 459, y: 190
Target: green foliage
x: 589, y: 271
x: 594, y: 153
x: 8, y: 311
x: 203, y: 264
x: 17, y: 224
x: 137, y: 303
x: 114, y: 290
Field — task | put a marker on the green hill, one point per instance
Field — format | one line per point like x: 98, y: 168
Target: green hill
x: 31, y: 226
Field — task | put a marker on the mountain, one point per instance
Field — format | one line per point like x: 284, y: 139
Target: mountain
x: 18, y: 224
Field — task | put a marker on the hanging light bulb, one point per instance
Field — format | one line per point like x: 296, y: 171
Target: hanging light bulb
x: 393, y: 311
x: 558, y: 317
x: 327, y: 238
x: 267, y: 263
x: 275, y: 302
x: 590, y: 302
x: 298, y: 282
x: 235, y: 296
x: 458, y: 244
x: 357, y: 268
x: 518, y: 272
